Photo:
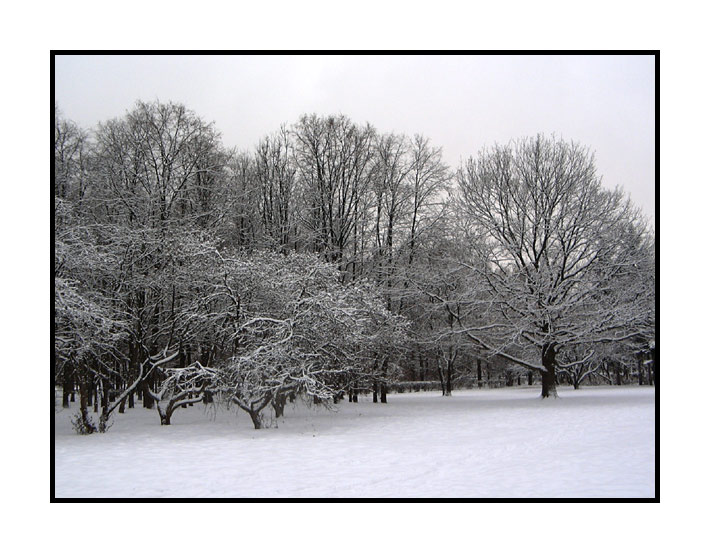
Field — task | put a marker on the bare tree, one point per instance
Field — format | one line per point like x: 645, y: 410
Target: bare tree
x: 158, y: 163
x: 556, y: 259
x: 291, y: 326
x: 429, y: 180
x: 275, y: 179
x: 333, y: 158
x: 71, y: 160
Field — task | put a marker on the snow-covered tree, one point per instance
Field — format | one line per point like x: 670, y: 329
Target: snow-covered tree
x: 333, y: 156
x: 557, y: 261
x: 295, y: 328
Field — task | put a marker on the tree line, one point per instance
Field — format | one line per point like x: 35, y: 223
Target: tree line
x: 331, y: 259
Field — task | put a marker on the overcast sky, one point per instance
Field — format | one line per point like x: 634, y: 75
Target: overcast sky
x: 461, y: 103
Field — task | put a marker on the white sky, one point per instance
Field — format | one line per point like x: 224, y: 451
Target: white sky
x: 461, y: 102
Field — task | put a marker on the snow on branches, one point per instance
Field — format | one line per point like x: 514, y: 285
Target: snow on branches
x: 557, y: 261
x: 293, y: 328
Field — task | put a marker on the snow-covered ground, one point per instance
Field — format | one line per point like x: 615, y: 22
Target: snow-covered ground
x: 592, y: 442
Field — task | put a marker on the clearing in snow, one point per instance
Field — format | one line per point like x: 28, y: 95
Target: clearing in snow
x: 592, y: 442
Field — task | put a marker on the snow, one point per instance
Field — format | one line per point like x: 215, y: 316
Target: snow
x: 592, y: 442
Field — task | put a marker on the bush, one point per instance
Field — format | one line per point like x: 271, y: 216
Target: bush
x: 81, y: 425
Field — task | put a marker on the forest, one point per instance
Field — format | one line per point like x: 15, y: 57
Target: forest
x: 332, y: 261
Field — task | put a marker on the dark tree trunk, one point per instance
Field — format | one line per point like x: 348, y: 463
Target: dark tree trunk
x: 618, y: 374
x: 655, y: 366
x: 447, y: 390
x: 256, y: 419
x: 84, y: 397
x: 479, y: 376
x: 279, y: 403
x: 549, y: 382
x: 83, y: 401
x: 440, y: 372
x: 105, y: 394
x: 67, y: 385
x: 530, y: 378
x: 383, y: 383
x: 65, y: 394
x: 148, y: 402
x: 374, y: 392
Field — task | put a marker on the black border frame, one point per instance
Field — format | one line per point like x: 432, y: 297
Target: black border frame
x: 657, y: 65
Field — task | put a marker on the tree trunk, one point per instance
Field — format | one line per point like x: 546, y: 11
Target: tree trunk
x: 447, y: 390
x: 530, y: 378
x: 105, y: 394
x: 374, y: 392
x: 165, y: 415
x: 148, y: 401
x: 256, y: 419
x: 478, y: 373
x: 279, y: 404
x: 654, y: 356
x: 383, y: 383
x: 84, y: 397
x: 67, y: 385
x: 549, y: 382
x: 65, y: 394
x: 509, y: 379
x: 440, y: 372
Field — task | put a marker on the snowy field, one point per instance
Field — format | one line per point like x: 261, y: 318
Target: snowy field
x: 592, y: 442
